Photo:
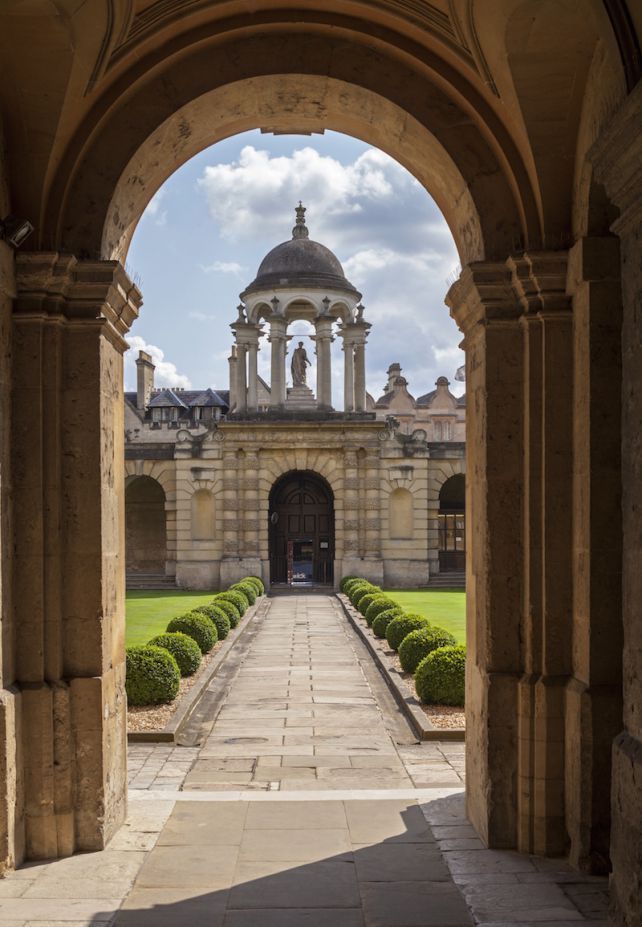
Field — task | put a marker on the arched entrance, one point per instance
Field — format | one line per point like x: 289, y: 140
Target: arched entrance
x: 145, y: 527
x: 301, y: 530
x: 452, y: 524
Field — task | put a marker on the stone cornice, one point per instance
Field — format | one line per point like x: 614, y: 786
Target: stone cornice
x: 494, y: 293
x: 617, y: 159
x: 58, y: 287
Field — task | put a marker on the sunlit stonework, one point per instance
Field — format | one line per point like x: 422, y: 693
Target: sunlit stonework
x: 270, y: 478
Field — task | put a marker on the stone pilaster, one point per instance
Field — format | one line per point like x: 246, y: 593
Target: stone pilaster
x: 617, y: 159
x: 70, y: 318
x: 539, y: 281
x: 487, y: 312
x: 594, y: 696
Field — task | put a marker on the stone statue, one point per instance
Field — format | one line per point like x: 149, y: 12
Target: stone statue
x: 298, y: 366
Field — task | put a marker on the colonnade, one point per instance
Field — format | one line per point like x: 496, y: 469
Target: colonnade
x: 244, y: 362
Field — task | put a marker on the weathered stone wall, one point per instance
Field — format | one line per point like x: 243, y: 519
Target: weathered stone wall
x: 236, y: 467
x: 617, y: 157
x: 67, y: 459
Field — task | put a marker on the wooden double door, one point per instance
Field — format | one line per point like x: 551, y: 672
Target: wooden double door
x: 301, y: 530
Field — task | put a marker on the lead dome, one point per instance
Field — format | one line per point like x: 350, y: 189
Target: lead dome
x: 300, y: 262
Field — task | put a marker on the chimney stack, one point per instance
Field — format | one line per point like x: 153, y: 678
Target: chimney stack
x: 144, y: 380
x: 394, y: 371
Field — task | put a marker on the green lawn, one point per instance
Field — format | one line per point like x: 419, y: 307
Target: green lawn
x: 149, y: 611
x: 445, y: 609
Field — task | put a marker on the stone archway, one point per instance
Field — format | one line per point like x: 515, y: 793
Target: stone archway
x: 301, y: 538
x: 145, y: 527
x: 479, y: 120
x: 452, y: 524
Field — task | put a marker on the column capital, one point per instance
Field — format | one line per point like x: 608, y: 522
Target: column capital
x: 60, y: 287
x: 246, y: 333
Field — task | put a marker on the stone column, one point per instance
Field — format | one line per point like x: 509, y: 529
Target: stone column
x: 241, y: 378
x: 348, y: 369
x: 359, y: 334
x: 70, y: 319
x: 360, y: 377
x: 233, y: 360
x: 324, y: 339
x: 483, y: 307
x: 617, y: 158
x: 278, y: 339
x: 253, y: 377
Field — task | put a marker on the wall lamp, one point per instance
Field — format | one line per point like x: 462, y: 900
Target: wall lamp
x: 15, y: 231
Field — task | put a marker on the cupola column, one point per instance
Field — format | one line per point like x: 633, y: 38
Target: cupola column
x: 348, y: 374
x: 278, y: 340
x: 323, y: 340
x: 360, y: 333
x: 253, y: 375
x: 247, y: 342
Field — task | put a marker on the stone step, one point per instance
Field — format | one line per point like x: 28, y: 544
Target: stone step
x: 149, y: 581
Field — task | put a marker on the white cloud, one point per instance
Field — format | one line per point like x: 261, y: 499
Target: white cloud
x: 258, y: 185
x: 165, y: 374
x: 201, y: 317
x: 223, y: 267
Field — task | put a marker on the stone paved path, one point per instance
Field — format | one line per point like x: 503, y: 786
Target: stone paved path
x: 307, y: 802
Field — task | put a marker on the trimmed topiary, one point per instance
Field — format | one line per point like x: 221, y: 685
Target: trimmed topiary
x: 418, y: 644
x: 380, y: 603
x: 383, y: 619
x: 236, y: 598
x: 441, y: 676
x: 183, y: 648
x: 362, y: 591
x: 353, y: 582
x: 257, y: 583
x: 218, y: 616
x: 230, y: 610
x: 152, y: 676
x: 248, y: 590
x: 366, y: 600
x: 403, y: 625
x: 197, y: 626
x: 345, y: 582
x: 359, y: 588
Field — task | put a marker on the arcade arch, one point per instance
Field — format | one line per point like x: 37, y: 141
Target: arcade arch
x: 487, y: 141
x: 145, y: 526
x: 301, y: 534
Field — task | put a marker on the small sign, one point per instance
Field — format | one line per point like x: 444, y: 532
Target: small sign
x: 324, y: 545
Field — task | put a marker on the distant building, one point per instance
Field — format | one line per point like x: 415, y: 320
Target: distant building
x: 270, y: 479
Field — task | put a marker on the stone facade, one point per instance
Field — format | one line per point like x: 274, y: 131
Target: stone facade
x: 232, y: 464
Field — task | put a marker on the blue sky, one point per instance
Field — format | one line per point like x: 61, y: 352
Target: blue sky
x: 203, y: 235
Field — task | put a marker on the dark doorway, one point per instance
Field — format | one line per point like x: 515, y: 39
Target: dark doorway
x: 301, y: 530
x: 452, y: 525
x: 145, y: 530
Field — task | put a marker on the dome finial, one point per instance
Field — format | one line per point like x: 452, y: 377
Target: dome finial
x: 300, y: 229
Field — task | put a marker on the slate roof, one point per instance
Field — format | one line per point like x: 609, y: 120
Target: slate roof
x: 165, y: 398
x: 187, y: 398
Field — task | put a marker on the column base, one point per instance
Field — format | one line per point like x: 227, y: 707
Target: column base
x: 370, y: 569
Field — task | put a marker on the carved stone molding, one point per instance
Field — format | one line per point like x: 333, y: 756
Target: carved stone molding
x: 60, y: 288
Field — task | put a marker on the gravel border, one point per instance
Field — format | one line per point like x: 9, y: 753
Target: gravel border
x: 417, y: 719
x: 188, y: 702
